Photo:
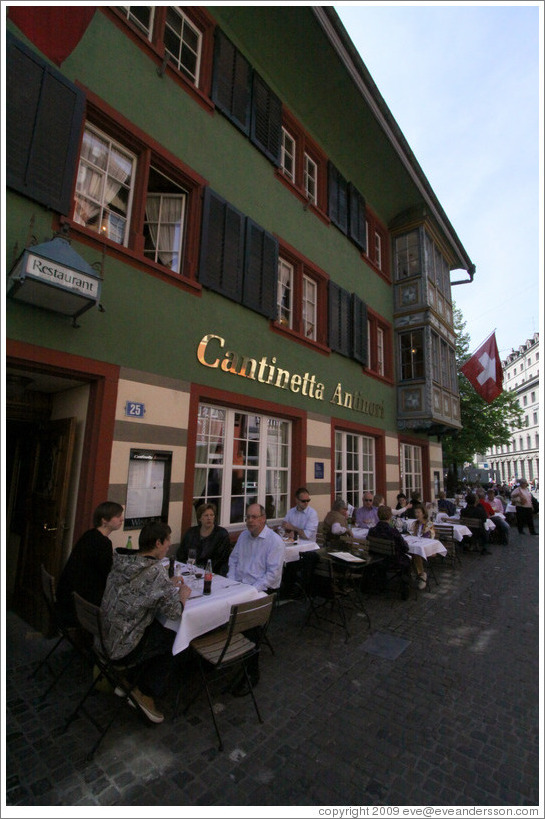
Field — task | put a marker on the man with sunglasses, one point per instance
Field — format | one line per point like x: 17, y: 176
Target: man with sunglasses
x: 302, y: 519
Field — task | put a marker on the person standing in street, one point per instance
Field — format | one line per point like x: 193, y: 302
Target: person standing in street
x: 522, y: 498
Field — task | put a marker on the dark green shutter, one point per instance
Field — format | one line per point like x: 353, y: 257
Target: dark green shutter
x: 231, y: 82
x: 356, y: 221
x: 359, y: 329
x: 260, y: 270
x: 338, y: 198
x: 340, y: 320
x: 44, y: 116
x: 222, y: 247
x: 266, y: 130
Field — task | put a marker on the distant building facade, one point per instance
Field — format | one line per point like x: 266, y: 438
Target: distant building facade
x: 519, y: 457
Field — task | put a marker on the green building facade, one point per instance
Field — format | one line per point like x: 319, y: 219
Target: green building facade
x: 227, y: 275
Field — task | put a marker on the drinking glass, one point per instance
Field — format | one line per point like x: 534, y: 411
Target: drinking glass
x: 191, y: 558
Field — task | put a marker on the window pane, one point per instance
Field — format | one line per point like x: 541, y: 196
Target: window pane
x: 104, y: 186
x: 164, y: 221
x: 412, y: 354
x: 311, y: 178
x: 182, y: 43
x: 354, y: 466
x: 285, y: 293
x: 407, y: 255
x: 310, y: 290
x: 287, y: 155
x: 141, y: 16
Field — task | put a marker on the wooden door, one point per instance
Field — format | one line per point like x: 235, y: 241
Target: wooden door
x: 45, y: 513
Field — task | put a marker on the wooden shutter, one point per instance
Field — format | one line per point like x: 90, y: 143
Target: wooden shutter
x: 356, y: 220
x: 266, y: 130
x: 44, y: 116
x: 359, y: 329
x: 231, y: 82
x: 340, y: 320
x: 222, y: 247
x: 338, y: 198
x: 260, y: 270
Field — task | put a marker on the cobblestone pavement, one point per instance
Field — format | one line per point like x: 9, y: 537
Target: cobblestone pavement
x: 453, y: 720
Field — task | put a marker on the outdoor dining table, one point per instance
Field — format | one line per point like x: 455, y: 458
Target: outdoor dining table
x: 423, y: 546
x: 293, y: 549
x: 203, y: 613
x: 442, y: 517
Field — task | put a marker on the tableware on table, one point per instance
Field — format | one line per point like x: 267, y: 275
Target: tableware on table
x: 191, y: 558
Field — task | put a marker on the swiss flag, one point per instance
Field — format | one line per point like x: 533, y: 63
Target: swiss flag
x: 484, y: 370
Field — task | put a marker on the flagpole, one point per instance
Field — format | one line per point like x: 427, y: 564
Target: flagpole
x: 483, y: 342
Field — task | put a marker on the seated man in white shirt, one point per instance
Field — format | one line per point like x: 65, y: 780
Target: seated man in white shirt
x: 257, y: 559
x: 302, y: 519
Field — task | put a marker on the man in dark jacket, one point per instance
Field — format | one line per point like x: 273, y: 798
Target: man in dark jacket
x: 402, y: 560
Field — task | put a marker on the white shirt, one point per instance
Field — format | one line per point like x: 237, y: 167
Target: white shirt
x: 259, y: 560
x: 307, y: 520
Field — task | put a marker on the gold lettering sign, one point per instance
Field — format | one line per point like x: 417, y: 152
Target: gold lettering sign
x: 265, y: 371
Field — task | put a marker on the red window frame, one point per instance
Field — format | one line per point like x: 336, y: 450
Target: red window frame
x: 303, y: 266
x: 155, y: 47
x: 375, y: 321
x: 374, y: 225
x: 304, y: 144
x: 148, y: 152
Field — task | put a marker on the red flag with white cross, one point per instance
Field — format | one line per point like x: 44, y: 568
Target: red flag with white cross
x: 484, y: 370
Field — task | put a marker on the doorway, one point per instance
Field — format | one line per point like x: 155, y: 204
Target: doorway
x: 45, y: 424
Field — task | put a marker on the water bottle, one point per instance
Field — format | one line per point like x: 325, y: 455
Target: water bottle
x: 207, y: 587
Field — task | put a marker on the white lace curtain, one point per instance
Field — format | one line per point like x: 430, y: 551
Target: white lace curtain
x: 164, y: 219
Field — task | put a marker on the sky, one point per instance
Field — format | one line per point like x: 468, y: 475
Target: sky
x: 463, y: 83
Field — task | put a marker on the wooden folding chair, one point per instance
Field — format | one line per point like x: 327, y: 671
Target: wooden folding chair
x: 445, y: 533
x: 90, y: 618
x: 66, y: 634
x: 394, y: 573
x: 221, y: 650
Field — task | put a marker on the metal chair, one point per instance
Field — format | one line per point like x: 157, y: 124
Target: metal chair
x: 65, y: 634
x: 90, y: 618
x: 221, y: 650
x: 445, y: 533
x: 332, y: 588
x: 382, y: 547
x: 479, y: 533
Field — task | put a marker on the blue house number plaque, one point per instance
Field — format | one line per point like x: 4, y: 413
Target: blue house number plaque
x: 134, y: 410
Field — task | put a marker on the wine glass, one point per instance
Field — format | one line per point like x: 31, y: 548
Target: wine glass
x: 191, y: 558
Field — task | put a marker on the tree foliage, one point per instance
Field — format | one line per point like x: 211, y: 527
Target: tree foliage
x: 483, y: 425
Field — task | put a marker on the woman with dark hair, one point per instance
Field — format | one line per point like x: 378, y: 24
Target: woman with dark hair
x: 210, y: 541
x: 89, y: 563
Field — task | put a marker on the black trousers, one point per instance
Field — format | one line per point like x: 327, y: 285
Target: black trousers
x: 153, y: 660
x: 525, y: 517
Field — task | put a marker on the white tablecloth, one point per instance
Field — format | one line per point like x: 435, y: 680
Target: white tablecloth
x: 459, y: 531
x: 292, y: 549
x: 424, y: 546
x: 489, y: 524
x: 205, y: 613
